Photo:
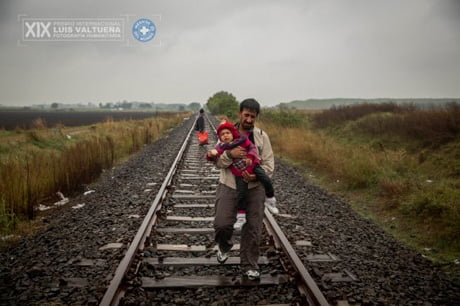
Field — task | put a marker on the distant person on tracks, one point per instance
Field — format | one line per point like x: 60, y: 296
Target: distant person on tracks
x: 201, y: 133
x: 230, y: 138
x: 199, y: 126
x: 226, y: 194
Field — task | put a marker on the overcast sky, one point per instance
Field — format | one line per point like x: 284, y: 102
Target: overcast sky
x: 275, y: 51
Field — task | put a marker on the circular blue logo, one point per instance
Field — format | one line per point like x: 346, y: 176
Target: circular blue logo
x: 144, y: 30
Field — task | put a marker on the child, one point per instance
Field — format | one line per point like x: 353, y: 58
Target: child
x: 229, y: 139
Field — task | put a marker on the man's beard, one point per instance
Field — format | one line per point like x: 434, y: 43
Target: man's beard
x: 247, y: 127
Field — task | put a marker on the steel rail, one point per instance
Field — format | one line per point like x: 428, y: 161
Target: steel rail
x: 307, y: 285
x: 112, y: 294
x: 213, y: 127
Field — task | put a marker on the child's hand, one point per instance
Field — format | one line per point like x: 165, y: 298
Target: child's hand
x: 248, y: 162
x: 212, y: 153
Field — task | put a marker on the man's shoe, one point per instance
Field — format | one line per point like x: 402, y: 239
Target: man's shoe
x: 221, y: 256
x: 252, y: 274
x: 240, y: 221
x: 270, y: 203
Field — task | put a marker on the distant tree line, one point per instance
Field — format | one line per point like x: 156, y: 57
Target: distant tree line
x: 125, y: 105
x: 194, y: 106
x: 338, y: 102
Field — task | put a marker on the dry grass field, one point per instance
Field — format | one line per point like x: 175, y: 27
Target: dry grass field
x: 396, y: 164
x: 37, y: 163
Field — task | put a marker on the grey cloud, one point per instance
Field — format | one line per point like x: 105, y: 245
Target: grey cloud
x: 272, y: 50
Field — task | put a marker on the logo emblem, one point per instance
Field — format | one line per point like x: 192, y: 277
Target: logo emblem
x: 144, y: 30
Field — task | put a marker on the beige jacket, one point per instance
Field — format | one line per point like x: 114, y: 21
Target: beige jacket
x: 267, y: 161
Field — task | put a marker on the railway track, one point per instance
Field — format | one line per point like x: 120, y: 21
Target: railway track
x: 174, y: 248
x: 74, y: 259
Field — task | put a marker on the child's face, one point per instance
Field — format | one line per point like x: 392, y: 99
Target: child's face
x: 226, y: 136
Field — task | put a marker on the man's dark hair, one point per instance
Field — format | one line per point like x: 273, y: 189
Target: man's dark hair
x: 201, y: 111
x: 250, y: 104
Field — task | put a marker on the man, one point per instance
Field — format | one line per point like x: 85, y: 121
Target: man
x: 226, y: 195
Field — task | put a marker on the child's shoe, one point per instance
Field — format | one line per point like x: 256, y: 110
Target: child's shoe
x: 240, y: 221
x: 270, y: 203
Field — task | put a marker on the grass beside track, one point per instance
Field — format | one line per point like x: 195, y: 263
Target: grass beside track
x: 396, y: 165
x: 36, y: 164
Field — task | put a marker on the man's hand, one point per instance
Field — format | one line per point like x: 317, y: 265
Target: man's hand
x: 248, y: 177
x: 238, y: 152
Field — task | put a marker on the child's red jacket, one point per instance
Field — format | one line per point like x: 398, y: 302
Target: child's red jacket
x: 239, y: 164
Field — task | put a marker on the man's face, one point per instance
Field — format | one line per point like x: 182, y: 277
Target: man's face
x: 247, y: 118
